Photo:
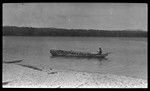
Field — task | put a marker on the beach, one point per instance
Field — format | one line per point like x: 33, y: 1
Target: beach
x: 18, y: 76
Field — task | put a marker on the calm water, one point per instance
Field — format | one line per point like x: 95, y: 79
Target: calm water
x: 129, y: 55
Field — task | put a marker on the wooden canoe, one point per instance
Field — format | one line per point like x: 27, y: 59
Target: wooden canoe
x: 63, y: 53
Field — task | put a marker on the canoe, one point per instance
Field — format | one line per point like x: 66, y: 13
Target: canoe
x: 63, y: 53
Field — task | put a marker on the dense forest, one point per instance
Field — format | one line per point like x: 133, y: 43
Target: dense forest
x: 30, y: 31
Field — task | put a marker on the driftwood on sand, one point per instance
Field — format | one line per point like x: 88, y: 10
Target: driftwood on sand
x: 5, y: 83
x: 29, y: 66
x: 52, y: 72
x: 15, y: 61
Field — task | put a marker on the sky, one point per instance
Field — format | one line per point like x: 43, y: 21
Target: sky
x: 102, y: 16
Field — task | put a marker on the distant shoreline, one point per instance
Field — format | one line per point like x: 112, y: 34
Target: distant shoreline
x: 61, y: 32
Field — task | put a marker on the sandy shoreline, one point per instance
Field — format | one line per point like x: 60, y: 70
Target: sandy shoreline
x: 16, y: 76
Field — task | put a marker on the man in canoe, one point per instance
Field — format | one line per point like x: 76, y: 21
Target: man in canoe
x: 100, y: 51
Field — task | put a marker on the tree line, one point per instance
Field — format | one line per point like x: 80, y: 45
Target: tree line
x: 30, y: 31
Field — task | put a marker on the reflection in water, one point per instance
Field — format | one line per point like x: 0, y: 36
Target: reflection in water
x: 101, y: 60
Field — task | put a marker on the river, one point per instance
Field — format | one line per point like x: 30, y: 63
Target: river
x: 128, y: 55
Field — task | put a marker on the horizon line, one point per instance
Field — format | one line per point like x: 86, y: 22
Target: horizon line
x: 78, y: 28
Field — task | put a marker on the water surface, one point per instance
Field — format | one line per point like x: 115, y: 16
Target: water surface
x: 128, y: 57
